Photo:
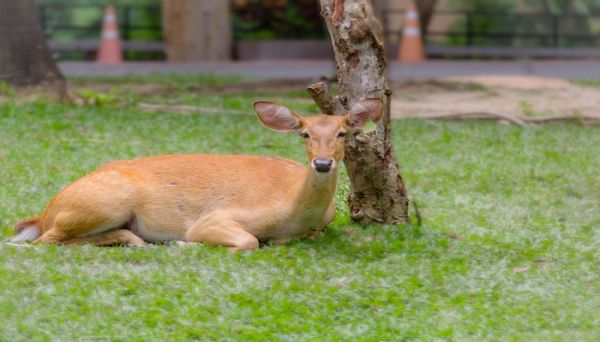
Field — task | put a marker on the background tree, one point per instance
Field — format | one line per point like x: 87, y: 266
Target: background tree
x: 426, y: 9
x: 377, y: 191
x: 197, y: 30
x: 25, y: 59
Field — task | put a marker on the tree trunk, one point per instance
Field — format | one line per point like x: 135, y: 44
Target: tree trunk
x: 377, y: 193
x: 197, y: 30
x: 426, y: 9
x: 25, y: 59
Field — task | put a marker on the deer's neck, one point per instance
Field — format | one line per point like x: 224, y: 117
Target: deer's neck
x: 316, y: 191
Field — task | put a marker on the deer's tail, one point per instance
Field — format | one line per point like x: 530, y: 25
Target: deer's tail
x: 27, y: 230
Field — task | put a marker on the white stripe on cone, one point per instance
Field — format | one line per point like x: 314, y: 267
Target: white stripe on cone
x: 411, y: 15
x: 109, y: 34
x: 411, y: 31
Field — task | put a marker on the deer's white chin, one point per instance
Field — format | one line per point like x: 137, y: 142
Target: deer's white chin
x: 324, y: 175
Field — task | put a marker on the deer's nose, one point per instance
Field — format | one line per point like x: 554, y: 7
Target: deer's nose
x: 323, y: 165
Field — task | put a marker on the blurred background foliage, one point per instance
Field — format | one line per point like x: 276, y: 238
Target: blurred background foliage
x: 277, y: 19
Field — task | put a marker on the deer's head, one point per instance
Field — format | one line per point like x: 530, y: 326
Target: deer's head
x: 324, y: 135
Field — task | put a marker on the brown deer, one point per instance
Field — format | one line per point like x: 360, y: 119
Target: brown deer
x: 229, y: 200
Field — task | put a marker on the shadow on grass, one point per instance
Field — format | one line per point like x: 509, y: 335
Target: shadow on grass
x: 371, y: 242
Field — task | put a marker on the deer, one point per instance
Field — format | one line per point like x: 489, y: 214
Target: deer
x: 234, y: 201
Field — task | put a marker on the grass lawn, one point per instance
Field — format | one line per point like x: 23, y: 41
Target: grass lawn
x: 509, y: 246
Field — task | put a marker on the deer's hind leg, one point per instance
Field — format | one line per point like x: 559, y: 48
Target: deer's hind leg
x: 109, y: 238
x: 95, y: 209
x: 88, y: 224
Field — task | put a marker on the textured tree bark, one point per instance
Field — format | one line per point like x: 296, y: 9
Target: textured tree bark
x: 25, y: 59
x: 197, y: 30
x: 378, y: 193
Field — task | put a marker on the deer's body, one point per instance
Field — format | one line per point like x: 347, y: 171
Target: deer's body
x: 165, y: 198
x: 227, y: 200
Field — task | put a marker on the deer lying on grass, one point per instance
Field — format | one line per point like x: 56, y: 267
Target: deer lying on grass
x: 228, y: 200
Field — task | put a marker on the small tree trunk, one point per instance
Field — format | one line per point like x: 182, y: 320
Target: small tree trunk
x: 379, y: 7
x: 426, y: 9
x: 377, y: 193
x: 25, y: 59
x: 197, y: 30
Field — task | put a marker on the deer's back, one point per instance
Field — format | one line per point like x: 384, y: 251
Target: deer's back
x: 222, y: 177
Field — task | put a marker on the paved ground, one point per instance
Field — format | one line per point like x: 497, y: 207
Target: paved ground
x: 582, y: 69
x: 508, y: 96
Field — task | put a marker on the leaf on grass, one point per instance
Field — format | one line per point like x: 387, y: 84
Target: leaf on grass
x: 589, y: 288
x: 349, y: 231
x: 454, y: 235
x: 521, y: 269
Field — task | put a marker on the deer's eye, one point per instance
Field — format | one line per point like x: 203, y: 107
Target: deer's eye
x: 305, y: 135
x: 341, y: 134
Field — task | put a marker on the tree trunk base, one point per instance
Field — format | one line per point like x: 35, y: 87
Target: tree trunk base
x: 26, y: 63
x: 53, y: 91
x: 377, y: 197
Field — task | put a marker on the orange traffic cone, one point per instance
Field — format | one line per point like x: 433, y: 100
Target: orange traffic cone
x: 110, y: 45
x: 411, y: 46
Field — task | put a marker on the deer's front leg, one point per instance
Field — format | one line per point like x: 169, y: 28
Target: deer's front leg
x: 220, y: 231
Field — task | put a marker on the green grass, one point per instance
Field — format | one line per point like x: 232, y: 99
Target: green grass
x: 509, y: 248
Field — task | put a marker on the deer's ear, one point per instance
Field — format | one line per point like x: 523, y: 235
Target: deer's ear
x: 367, y: 108
x: 277, y: 117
